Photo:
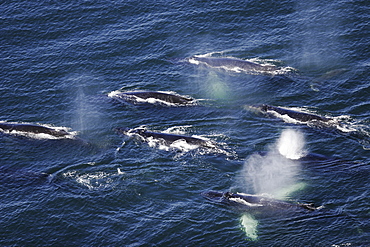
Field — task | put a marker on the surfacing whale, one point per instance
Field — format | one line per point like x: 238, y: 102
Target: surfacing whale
x: 146, y: 96
x: 246, y: 202
x: 276, y: 111
x: 32, y: 129
x: 168, y: 139
x: 233, y: 64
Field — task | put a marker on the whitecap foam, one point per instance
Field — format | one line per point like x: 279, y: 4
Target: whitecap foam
x: 93, y: 181
x: 114, y: 94
x: 183, y: 146
x: 193, y: 61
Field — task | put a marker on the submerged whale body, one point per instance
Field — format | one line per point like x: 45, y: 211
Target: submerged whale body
x: 234, y: 64
x: 247, y: 202
x: 167, y: 138
x: 146, y: 95
x: 32, y: 129
x: 296, y: 115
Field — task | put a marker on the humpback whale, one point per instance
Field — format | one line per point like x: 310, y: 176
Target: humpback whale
x: 136, y: 96
x: 275, y: 111
x: 233, y: 64
x: 32, y: 129
x: 247, y: 202
x: 168, y: 139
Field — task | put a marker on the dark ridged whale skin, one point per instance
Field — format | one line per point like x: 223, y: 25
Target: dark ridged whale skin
x: 167, y: 97
x: 247, y: 201
x: 32, y: 128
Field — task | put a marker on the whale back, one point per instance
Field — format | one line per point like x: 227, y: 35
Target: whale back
x: 32, y: 128
x: 233, y: 63
x: 170, y: 138
x: 247, y: 202
x: 166, y: 137
x: 170, y: 98
x: 297, y: 115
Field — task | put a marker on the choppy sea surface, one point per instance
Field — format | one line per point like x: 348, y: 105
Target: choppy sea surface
x: 60, y: 61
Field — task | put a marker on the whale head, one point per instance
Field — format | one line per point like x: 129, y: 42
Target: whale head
x: 129, y: 131
x: 122, y: 130
x: 216, y: 196
x: 257, y: 108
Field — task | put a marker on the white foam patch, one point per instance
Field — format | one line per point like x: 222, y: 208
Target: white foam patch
x: 114, y: 94
x: 180, y: 145
x: 183, y: 146
x: 345, y: 124
x: 193, y: 61
x: 93, y: 181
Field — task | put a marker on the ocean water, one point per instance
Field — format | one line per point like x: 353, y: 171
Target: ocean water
x: 59, y: 61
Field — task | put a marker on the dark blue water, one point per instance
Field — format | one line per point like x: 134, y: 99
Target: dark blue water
x: 60, y: 60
